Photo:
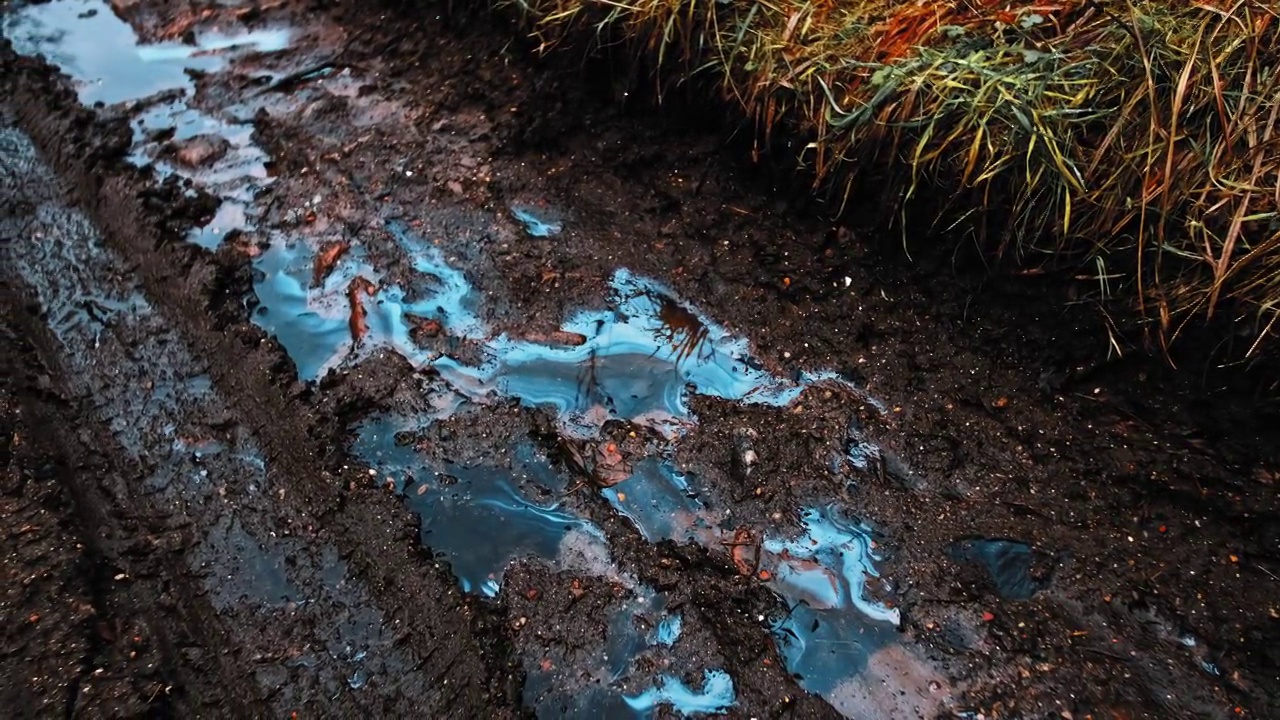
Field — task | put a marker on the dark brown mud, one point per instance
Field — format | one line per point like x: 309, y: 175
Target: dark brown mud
x: 1139, y: 509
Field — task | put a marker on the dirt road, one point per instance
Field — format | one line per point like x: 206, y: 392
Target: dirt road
x: 358, y: 363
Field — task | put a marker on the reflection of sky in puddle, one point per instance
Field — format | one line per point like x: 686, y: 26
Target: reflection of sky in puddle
x: 639, y: 635
x: 716, y: 696
x: 480, y: 517
x: 667, y: 631
x: 832, y: 627
x: 659, y: 503
x: 242, y: 570
x: 102, y: 54
x: 445, y: 293
x: 537, y: 223
x: 99, y: 50
x: 313, y: 324
x: 639, y: 362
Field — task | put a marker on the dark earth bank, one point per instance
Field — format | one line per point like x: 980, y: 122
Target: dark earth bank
x: 359, y: 362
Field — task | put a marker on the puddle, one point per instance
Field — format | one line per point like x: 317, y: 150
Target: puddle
x: 667, y: 631
x: 639, y: 637
x: 660, y: 503
x: 537, y: 222
x: 480, y: 518
x: 640, y: 624
x: 243, y: 571
x: 314, y: 324
x: 1008, y: 563
x: 109, y: 65
x: 98, y: 50
x: 832, y: 629
x: 102, y: 53
x: 715, y: 698
x: 638, y: 362
x: 230, y: 216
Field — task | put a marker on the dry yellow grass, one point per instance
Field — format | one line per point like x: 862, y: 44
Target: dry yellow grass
x: 1137, y: 140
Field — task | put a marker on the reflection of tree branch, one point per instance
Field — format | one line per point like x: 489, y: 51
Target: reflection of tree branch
x: 589, y: 381
x: 680, y: 328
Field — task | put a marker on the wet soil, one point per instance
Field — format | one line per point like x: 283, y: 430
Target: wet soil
x: 191, y: 508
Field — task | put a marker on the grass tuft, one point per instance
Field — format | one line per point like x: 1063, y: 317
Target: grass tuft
x: 1135, y: 140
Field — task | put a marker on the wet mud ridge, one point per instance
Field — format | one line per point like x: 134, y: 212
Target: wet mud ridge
x: 357, y: 364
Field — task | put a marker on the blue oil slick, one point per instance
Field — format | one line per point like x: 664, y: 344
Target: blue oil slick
x: 1008, y: 562
x: 832, y: 627
x: 715, y: 698
x: 659, y: 503
x: 536, y: 226
x: 480, y: 518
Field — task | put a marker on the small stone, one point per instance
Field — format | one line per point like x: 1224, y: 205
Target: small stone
x: 200, y: 150
x: 744, y: 455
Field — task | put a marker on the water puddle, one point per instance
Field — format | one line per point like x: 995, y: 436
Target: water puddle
x: 537, y: 221
x: 617, y: 677
x: 1008, y: 563
x: 242, y: 570
x: 102, y: 54
x: 637, y: 362
x: 311, y: 322
x: 659, y: 501
x: 109, y: 65
x: 716, y: 696
x: 831, y: 629
x: 632, y: 365
x: 324, y: 319
x: 478, y: 517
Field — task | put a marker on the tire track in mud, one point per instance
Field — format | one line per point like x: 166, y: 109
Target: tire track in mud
x: 123, y: 563
x: 270, y: 601
x: 375, y: 639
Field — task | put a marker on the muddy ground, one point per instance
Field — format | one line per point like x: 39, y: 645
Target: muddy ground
x: 193, y: 525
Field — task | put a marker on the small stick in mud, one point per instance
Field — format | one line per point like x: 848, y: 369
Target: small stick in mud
x: 359, y: 286
x: 329, y: 254
x: 291, y: 81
